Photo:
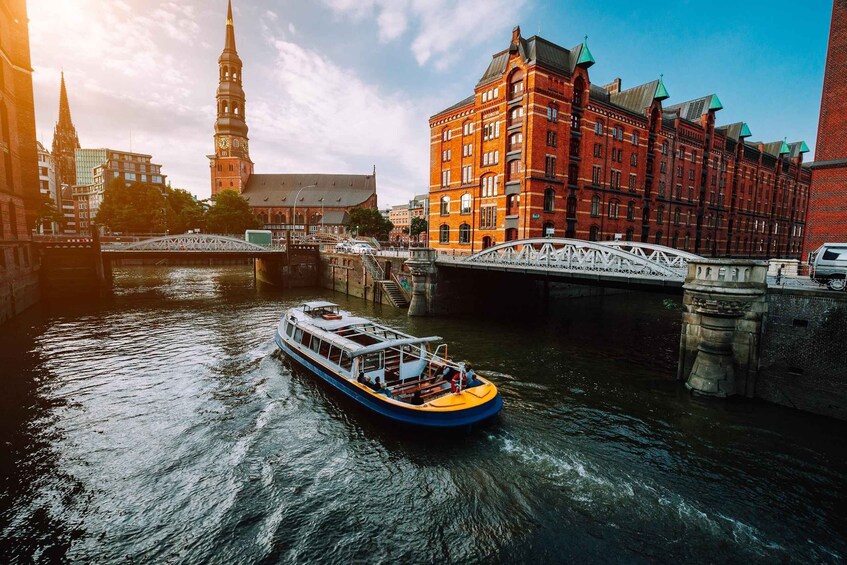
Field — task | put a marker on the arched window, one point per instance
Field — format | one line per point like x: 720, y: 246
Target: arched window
x: 549, y: 230
x: 630, y: 211
x: 552, y: 113
x: 235, y: 75
x: 516, y: 115
x: 595, y: 207
x: 578, y: 87
x: 466, y: 203
x: 464, y: 233
x: 659, y: 236
x: 629, y: 234
x: 225, y: 108
x: 445, y: 205
x: 660, y: 215
x: 284, y: 218
x: 675, y: 240
x: 676, y: 217
x: 226, y: 73
x: 614, y: 209
x: 444, y: 234
x: 598, y: 127
x: 278, y: 218
x: 593, y: 233
x: 549, y: 200
x: 516, y: 84
x: 571, y: 207
x: 512, y: 204
x: 235, y: 109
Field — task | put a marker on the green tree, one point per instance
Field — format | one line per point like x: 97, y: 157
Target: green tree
x: 369, y: 222
x: 47, y: 213
x: 417, y: 227
x: 135, y: 208
x: 184, y: 211
x: 230, y: 214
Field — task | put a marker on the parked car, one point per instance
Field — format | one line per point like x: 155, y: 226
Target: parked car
x: 828, y: 265
x: 360, y: 248
x: 343, y: 247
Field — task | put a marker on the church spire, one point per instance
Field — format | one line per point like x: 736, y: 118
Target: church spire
x: 229, y: 42
x: 65, y: 140
x: 64, y: 106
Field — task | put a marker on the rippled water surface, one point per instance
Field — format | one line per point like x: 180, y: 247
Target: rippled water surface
x: 161, y: 425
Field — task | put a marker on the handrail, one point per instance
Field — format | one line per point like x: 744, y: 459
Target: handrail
x: 406, y: 294
x: 373, y: 266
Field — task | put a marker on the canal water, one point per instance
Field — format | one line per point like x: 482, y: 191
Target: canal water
x: 162, y: 426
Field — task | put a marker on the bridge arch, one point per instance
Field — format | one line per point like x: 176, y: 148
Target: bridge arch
x: 194, y: 242
x: 616, y: 258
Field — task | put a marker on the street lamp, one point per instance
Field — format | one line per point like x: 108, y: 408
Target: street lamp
x: 297, y: 197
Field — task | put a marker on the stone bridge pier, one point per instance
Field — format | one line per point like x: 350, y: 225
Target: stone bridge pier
x: 723, y: 311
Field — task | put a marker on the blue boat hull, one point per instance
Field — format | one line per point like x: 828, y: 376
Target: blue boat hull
x: 409, y: 416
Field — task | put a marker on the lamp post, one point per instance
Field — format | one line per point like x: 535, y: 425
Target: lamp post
x: 294, y: 213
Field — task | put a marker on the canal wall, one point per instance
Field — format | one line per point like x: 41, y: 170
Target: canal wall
x: 73, y: 267
x: 804, y: 351
x: 298, y: 267
x: 19, y: 279
x: 347, y: 273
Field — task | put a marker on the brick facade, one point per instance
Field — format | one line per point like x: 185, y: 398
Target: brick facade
x: 827, y: 217
x: 538, y: 150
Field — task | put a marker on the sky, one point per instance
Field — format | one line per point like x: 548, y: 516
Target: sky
x: 343, y: 86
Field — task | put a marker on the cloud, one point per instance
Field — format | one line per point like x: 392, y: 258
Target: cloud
x: 441, y: 24
x: 326, y: 118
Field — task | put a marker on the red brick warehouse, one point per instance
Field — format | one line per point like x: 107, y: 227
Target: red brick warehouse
x: 828, y: 207
x: 538, y: 150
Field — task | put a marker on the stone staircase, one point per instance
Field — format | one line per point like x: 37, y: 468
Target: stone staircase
x: 394, y: 293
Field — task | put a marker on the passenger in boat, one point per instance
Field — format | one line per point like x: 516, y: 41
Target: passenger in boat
x: 471, y: 377
x: 446, y: 373
x: 417, y: 399
x: 376, y: 385
x: 361, y: 378
x: 458, y: 382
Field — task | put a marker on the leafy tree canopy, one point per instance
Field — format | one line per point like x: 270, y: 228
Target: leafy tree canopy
x: 230, y: 214
x: 417, y: 226
x: 134, y: 208
x: 369, y: 222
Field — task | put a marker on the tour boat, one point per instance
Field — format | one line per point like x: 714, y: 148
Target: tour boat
x: 389, y: 372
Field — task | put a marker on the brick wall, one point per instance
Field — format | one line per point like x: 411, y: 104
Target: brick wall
x: 827, y: 219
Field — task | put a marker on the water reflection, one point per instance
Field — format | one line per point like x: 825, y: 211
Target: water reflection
x: 162, y: 425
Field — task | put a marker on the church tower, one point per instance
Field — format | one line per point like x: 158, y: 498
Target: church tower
x: 65, y: 142
x: 230, y: 165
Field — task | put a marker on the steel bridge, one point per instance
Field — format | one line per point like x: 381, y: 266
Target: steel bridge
x: 205, y: 245
x: 612, y: 263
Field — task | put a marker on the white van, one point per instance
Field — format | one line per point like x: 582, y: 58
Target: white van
x: 828, y: 265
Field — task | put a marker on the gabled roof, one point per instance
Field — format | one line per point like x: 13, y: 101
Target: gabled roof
x: 798, y: 148
x: 329, y: 191
x: 735, y: 131
x: 335, y: 217
x: 465, y: 102
x: 535, y: 50
x: 693, y: 109
x: 774, y: 148
x: 636, y: 99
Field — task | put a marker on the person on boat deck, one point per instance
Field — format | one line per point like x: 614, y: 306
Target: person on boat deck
x: 446, y: 373
x: 471, y: 376
x: 417, y: 399
x: 361, y: 378
x: 376, y: 385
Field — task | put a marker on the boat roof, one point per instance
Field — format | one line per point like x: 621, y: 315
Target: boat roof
x: 364, y: 350
x: 315, y: 304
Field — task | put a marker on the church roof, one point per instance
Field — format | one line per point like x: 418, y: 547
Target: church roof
x: 327, y: 190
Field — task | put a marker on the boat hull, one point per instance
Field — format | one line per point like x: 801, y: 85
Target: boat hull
x: 412, y: 416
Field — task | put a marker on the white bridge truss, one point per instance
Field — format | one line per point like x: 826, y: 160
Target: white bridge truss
x: 624, y: 259
x: 197, y: 243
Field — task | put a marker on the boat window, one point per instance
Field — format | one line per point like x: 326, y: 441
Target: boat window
x: 315, y: 345
x: 324, y: 349
x: 373, y: 361
x: 346, y: 361
x: 335, y: 355
x: 306, y: 338
x: 289, y: 330
x: 298, y: 335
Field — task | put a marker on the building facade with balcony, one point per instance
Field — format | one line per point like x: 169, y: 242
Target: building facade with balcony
x: 538, y: 150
